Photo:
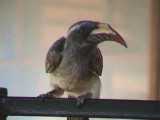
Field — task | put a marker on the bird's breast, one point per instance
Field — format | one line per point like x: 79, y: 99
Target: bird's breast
x: 69, y: 74
x: 76, y: 87
x: 74, y: 67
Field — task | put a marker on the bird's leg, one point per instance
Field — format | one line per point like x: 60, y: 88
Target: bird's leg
x: 82, y: 98
x: 49, y: 94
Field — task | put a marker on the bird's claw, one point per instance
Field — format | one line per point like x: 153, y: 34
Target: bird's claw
x: 80, y: 101
x: 82, y: 98
x: 45, y: 96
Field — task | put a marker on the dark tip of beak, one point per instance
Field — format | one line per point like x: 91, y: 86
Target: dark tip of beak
x: 117, y: 37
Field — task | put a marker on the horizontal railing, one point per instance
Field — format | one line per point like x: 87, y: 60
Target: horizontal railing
x: 99, y: 108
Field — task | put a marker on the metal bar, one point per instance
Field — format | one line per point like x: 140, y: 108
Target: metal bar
x: 104, y: 108
x: 3, y: 93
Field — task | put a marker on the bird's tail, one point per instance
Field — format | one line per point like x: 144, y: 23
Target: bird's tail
x: 77, y: 118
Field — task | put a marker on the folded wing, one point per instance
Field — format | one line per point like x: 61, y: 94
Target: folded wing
x: 96, y: 61
x: 54, y: 55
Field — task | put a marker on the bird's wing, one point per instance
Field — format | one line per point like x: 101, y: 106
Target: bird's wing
x: 95, y: 61
x: 54, y: 55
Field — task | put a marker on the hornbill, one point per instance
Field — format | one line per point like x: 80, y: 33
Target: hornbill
x: 75, y: 62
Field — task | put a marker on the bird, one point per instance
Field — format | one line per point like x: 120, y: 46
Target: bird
x: 75, y: 62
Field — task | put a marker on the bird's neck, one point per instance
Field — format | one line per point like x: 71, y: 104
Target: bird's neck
x: 77, y: 47
x: 77, y: 52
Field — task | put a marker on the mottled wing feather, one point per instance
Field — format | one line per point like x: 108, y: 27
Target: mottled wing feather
x: 54, y: 55
x: 96, y: 61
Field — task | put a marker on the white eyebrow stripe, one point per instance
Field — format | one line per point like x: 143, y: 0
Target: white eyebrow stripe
x: 73, y: 28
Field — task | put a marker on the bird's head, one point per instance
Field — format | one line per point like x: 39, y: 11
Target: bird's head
x: 91, y: 32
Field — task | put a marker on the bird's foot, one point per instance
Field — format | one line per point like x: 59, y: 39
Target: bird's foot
x: 44, y: 96
x: 47, y: 95
x: 82, y: 98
